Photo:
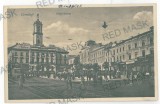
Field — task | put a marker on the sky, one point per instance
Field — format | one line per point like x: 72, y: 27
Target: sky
x: 78, y: 25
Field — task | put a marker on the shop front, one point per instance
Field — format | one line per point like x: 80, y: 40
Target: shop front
x: 130, y: 68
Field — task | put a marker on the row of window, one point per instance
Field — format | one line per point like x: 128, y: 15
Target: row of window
x: 21, y: 54
x: 42, y: 59
x: 43, y: 54
x: 129, y: 47
x: 27, y: 61
x: 123, y: 48
x: 120, y: 58
x: 15, y: 60
x: 119, y: 50
x: 84, y: 54
x: 37, y: 53
x: 96, y: 54
x: 101, y: 59
x: 38, y: 60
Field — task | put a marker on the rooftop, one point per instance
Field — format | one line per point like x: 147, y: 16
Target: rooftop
x: 27, y: 46
x: 114, y: 44
x: 134, y: 37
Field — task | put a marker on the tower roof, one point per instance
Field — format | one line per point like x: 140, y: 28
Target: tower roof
x: 37, y: 21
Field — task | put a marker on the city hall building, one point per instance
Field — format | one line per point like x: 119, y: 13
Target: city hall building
x: 36, y: 59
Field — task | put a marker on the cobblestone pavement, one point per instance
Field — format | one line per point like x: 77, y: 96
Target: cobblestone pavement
x: 43, y: 88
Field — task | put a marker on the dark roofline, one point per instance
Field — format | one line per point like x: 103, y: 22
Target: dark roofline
x: 123, y: 41
x: 55, y: 49
x: 97, y: 48
x: 12, y: 46
x: 9, y: 48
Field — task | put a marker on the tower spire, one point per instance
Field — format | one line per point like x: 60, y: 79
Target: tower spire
x: 38, y: 16
x: 37, y: 33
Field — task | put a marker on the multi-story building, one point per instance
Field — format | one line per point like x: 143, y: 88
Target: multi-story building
x: 71, y: 59
x: 97, y: 55
x: 37, y: 58
x: 84, y: 53
x: 126, y: 53
x: 135, y: 53
x: 130, y: 49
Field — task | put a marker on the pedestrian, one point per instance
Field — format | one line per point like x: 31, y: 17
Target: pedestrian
x: 82, y: 85
x: 100, y: 77
x: 65, y: 74
x: 106, y: 75
x: 90, y: 75
x: 54, y: 74
x: 73, y: 75
x: 147, y: 74
x: 23, y: 78
x: 69, y: 80
x: 131, y: 78
x: 87, y: 75
x: 20, y: 82
x: 95, y: 77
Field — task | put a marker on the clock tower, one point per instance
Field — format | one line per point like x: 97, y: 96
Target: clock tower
x: 37, y: 32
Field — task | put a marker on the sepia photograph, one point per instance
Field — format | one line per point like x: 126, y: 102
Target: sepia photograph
x: 78, y: 52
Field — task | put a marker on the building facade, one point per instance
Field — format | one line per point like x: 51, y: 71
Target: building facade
x: 36, y: 59
x: 135, y: 53
x: 132, y: 48
x: 85, y: 51
x: 97, y: 55
x: 71, y: 59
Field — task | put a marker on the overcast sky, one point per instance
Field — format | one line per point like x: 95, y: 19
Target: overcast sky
x: 83, y: 24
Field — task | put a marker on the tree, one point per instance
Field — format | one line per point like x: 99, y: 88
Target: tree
x: 105, y: 65
x: 96, y: 67
x: 79, y: 66
x: 76, y: 60
x: 86, y: 66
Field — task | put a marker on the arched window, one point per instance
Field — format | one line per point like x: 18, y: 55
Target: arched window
x: 143, y: 43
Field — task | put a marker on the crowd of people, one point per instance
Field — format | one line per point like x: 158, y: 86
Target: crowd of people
x: 95, y: 76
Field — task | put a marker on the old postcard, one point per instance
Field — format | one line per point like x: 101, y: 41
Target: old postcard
x: 77, y: 53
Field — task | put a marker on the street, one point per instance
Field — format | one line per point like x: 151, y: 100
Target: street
x: 43, y: 88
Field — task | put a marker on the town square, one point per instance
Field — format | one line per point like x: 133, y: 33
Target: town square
x: 100, y: 53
